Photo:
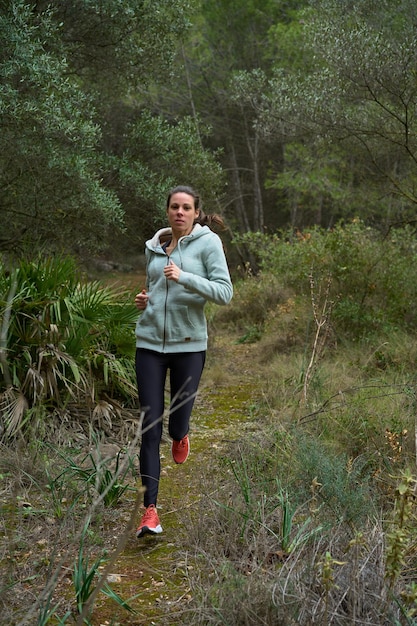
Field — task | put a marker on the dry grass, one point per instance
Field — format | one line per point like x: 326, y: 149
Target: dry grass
x: 290, y: 515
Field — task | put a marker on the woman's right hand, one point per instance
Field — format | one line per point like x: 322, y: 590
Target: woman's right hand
x: 141, y: 300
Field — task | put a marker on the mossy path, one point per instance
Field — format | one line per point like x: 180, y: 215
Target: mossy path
x: 152, y: 572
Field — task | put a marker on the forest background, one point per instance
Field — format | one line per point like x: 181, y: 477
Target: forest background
x: 296, y: 120
x: 282, y: 114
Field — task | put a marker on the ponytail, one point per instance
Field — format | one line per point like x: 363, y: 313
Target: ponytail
x: 213, y: 219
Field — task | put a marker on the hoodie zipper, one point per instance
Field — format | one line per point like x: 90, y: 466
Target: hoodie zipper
x: 165, y: 309
x: 166, y: 293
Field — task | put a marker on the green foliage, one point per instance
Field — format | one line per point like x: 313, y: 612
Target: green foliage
x: 373, y: 281
x: 305, y: 531
x: 106, y: 476
x: 312, y: 181
x: 214, y: 88
x: 122, y: 44
x: 253, y: 301
x: 63, y: 520
x: 47, y: 614
x: 284, y: 481
x: 84, y: 577
x: 227, y: 21
x: 50, y: 181
x: 62, y: 340
x: 157, y: 155
x: 343, y: 108
x: 344, y: 484
x: 287, y: 520
x: 104, y: 105
x: 401, y: 534
x: 66, y: 71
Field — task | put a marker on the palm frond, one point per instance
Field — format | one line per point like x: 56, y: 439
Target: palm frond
x: 13, y: 408
x: 65, y: 338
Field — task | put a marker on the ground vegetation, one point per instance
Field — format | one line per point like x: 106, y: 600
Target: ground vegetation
x: 297, y: 504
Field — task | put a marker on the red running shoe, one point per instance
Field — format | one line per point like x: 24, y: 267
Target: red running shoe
x: 149, y: 522
x: 181, y: 450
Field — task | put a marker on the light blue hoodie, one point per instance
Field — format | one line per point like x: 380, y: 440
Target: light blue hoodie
x: 174, y: 319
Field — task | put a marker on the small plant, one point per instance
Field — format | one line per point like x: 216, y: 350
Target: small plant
x: 93, y: 471
x: 403, y: 520
x: 108, y: 482
x: 84, y: 581
x: 292, y: 539
x: 252, y: 335
x: 327, y: 569
x: 240, y: 472
x: 57, y: 489
x: 48, y: 614
x: 322, y: 308
x: 409, y: 596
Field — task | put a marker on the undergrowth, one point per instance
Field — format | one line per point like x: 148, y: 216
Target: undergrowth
x: 312, y: 515
x: 315, y: 521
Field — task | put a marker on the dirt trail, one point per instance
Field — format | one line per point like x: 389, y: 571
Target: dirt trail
x: 153, y: 568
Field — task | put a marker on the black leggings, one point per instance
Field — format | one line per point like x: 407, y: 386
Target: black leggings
x: 151, y: 370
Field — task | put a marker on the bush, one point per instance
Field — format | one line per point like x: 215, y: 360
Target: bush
x: 372, y: 278
x: 63, y: 340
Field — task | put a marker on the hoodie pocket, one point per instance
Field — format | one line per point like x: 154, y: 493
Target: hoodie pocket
x: 185, y: 323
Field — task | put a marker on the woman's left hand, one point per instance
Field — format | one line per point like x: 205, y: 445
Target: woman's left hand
x: 172, y: 271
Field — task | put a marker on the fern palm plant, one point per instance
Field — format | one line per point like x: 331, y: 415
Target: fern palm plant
x: 62, y: 339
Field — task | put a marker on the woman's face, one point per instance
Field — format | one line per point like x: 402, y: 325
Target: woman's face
x: 182, y: 213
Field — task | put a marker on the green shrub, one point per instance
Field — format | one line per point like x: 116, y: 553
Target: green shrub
x: 62, y: 339
x: 254, y: 299
x: 373, y: 278
x: 344, y: 492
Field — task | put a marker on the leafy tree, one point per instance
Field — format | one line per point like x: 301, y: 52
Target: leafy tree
x: 117, y: 47
x: 231, y: 37
x: 347, y: 117
x: 72, y: 77
x: 49, y: 176
x: 158, y: 154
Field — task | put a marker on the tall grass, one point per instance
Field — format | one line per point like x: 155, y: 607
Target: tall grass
x: 316, y: 519
x: 312, y: 518
x: 52, y: 527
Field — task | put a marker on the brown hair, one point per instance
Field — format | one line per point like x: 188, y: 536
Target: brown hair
x: 210, y: 220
